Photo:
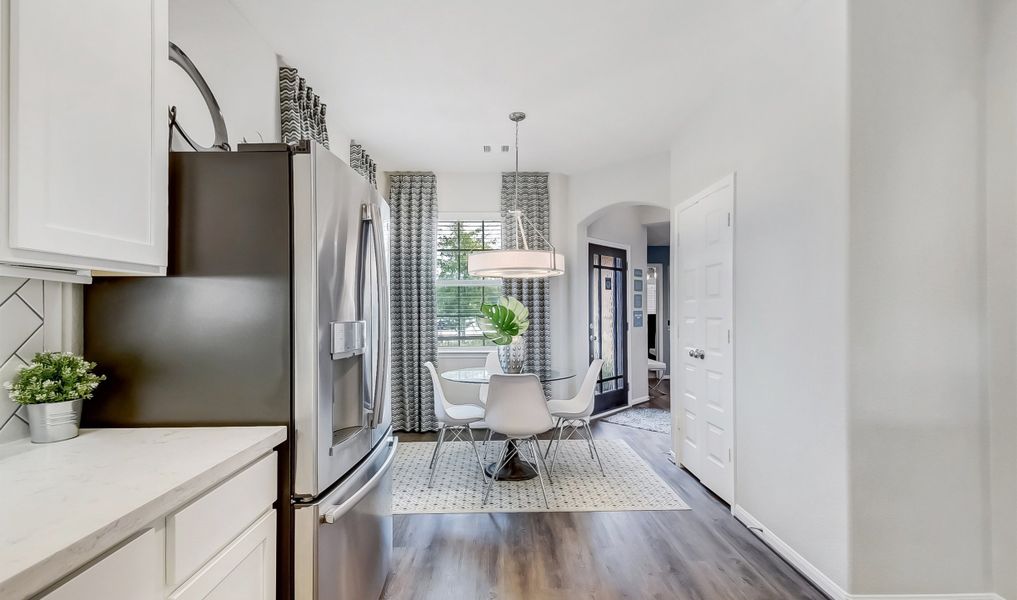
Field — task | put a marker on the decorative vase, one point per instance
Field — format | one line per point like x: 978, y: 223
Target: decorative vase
x: 512, y: 356
x: 53, y: 421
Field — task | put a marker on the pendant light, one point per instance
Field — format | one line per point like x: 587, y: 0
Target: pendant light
x: 517, y: 263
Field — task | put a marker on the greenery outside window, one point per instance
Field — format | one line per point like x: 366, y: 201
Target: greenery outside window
x: 459, y: 295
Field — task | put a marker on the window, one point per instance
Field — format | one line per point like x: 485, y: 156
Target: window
x: 459, y: 294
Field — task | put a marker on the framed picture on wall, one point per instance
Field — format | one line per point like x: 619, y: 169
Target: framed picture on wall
x: 637, y: 273
x: 637, y: 301
x: 637, y: 285
x: 637, y: 318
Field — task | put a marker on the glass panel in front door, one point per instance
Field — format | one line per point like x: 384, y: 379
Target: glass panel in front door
x: 608, y: 325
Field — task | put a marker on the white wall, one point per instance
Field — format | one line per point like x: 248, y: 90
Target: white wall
x: 240, y: 67
x: 592, y: 194
x: 625, y: 225
x: 918, y: 413
x: 780, y: 124
x: 1001, y: 286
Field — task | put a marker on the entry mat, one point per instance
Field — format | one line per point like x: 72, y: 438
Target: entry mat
x: 643, y: 417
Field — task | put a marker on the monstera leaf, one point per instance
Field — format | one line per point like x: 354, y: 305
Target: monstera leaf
x: 504, y: 321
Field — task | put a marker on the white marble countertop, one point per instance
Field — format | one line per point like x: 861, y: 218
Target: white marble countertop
x: 63, y: 504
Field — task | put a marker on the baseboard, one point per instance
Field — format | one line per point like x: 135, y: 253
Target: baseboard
x: 824, y: 583
x: 985, y: 596
x: 639, y: 400
x: 807, y: 569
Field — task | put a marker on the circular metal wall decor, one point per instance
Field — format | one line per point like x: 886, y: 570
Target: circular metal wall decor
x: 220, y: 143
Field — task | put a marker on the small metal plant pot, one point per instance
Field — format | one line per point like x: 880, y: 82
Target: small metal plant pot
x: 513, y: 356
x: 53, y: 421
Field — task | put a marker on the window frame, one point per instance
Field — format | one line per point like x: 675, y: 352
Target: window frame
x: 439, y: 283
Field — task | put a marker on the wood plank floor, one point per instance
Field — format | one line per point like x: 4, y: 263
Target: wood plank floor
x: 700, y: 554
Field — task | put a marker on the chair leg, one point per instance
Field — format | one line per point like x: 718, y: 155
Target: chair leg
x: 490, y: 484
x: 589, y: 438
x: 476, y: 452
x: 441, y: 436
x: 437, y: 454
x: 543, y: 462
x: 593, y: 448
x: 557, y: 447
x: 487, y: 441
x: 557, y: 428
x: 540, y: 473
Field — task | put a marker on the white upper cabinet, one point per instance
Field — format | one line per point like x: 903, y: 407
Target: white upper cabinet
x: 85, y: 134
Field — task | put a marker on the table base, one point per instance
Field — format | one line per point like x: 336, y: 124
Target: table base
x: 516, y: 469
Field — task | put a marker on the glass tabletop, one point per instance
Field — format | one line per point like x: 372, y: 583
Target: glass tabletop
x: 481, y: 375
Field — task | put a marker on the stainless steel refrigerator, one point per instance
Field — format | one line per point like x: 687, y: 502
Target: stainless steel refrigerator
x: 274, y: 310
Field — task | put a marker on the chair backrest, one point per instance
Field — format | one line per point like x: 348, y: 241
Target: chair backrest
x: 588, y: 386
x: 516, y: 406
x: 491, y: 365
x: 439, y: 394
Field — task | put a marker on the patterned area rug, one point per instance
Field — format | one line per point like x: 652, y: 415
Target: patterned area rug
x: 643, y: 417
x: 578, y: 485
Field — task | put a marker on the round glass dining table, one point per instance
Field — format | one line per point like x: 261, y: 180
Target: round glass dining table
x: 481, y: 375
x: 516, y: 468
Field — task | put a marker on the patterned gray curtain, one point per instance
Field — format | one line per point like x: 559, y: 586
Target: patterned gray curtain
x: 535, y: 294
x: 414, y: 216
x: 302, y: 113
x: 362, y: 163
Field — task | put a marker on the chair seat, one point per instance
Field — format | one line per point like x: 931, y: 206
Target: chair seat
x: 566, y: 409
x: 463, y: 414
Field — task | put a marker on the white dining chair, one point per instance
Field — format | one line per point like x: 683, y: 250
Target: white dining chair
x: 517, y: 409
x: 454, y: 420
x: 574, y: 414
x: 491, y: 365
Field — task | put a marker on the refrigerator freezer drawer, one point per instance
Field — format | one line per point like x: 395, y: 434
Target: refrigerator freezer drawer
x: 344, y: 540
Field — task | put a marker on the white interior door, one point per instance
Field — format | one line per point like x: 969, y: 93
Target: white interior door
x: 703, y: 382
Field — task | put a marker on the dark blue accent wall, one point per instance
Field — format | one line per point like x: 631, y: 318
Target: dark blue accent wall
x: 658, y: 254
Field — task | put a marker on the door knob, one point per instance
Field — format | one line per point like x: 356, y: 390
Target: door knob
x: 700, y: 354
x: 692, y: 353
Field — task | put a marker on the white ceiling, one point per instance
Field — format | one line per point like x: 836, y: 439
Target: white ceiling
x: 425, y: 84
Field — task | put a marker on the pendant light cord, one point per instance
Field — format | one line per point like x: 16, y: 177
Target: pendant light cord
x: 518, y: 214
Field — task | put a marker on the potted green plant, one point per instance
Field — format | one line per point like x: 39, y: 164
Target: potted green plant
x: 504, y: 323
x: 51, y: 389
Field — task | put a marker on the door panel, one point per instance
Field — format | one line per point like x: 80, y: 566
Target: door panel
x: 608, y: 326
x: 705, y: 442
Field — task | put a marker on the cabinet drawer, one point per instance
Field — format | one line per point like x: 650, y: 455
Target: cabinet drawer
x: 130, y: 572
x: 199, y: 531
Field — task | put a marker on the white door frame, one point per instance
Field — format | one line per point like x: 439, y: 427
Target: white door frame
x: 628, y: 311
x: 677, y: 406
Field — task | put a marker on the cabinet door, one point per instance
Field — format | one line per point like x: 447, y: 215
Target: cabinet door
x: 244, y: 570
x: 132, y: 572
x: 88, y: 138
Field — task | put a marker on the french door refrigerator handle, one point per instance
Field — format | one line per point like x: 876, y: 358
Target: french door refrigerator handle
x: 380, y: 253
x: 335, y: 513
x: 362, y: 243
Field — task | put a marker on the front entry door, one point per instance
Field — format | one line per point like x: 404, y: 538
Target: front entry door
x: 703, y: 352
x: 609, y: 325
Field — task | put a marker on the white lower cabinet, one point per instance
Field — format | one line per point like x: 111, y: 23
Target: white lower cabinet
x: 245, y: 570
x: 219, y: 546
x: 131, y: 572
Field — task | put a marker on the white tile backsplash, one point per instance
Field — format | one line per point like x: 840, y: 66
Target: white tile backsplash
x: 24, y: 304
